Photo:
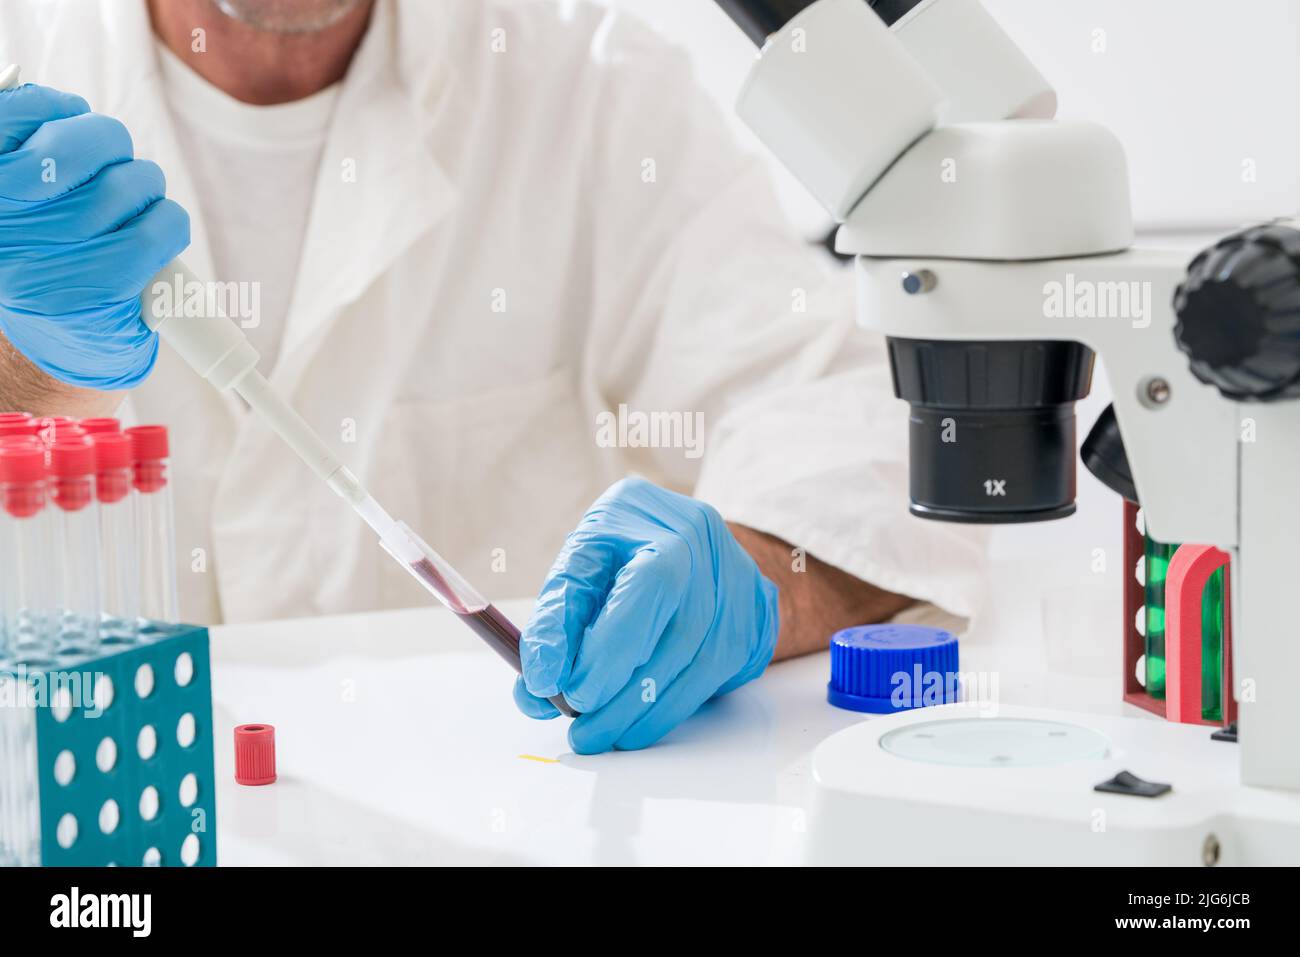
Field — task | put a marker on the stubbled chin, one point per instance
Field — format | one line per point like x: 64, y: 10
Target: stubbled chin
x: 289, y: 16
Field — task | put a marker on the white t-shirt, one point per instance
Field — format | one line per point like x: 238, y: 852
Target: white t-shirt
x: 254, y: 169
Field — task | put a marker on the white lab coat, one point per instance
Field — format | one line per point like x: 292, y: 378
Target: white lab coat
x: 502, y: 246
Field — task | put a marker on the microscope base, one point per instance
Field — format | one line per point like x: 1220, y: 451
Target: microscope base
x: 981, y: 784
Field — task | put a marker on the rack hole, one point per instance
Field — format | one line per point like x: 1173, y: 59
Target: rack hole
x: 189, y: 792
x: 104, y: 692
x: 109, y: 816
x: 186, y: 730
x: 149, y: 803
x: 106, y: 755
x: 146, y: 743
x: 190, y: 850
x: 66, y: 831
x: 61, y: 705
x: 65, y: 768
x: 184, y: 669
x: 144, y: 681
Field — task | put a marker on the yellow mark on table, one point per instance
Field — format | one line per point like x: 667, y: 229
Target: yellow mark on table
x: 534, y: 757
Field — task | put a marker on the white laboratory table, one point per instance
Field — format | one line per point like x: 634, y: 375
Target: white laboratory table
x: 398, y: 742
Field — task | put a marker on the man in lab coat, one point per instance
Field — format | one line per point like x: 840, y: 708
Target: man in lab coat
x: 500, y: 255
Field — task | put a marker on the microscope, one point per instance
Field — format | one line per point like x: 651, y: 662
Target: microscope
x: 994, y: 249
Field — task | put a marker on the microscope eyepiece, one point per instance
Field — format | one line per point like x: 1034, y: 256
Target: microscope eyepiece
x: 992, y: 426
x: 759, y: 19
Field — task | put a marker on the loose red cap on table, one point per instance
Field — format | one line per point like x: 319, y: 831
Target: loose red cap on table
x: 112, y: 465
x: 97, y: 426
x: 255, y: 754
x: 15, y: 416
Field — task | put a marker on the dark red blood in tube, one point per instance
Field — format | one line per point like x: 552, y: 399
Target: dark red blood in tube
x: 489, y: 624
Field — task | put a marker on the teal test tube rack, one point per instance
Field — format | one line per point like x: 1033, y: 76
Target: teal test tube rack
x: 107, y: 758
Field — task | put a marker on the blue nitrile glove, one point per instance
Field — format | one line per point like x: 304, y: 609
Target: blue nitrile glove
x: 651, y: 609
x: 83, y: 228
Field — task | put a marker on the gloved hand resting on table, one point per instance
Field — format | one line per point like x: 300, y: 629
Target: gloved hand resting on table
x: 83, y: 228
x: 651, y: 609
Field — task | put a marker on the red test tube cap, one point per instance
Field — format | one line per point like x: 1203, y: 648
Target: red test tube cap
x: 15, y: 416
x: 112, y: 450
x: 70, y: 462
x: 254, y: 754
x: 22, y: 471
x: 55, y: 434
x: 149, y: 442
x: 99, y: 425
x: 21, y: 463
x: 72, y: 459
x: 149, y: 451
x: 19, y: 427
x: 112, y: 466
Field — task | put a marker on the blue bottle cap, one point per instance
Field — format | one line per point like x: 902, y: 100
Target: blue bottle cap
x: 886, y: 668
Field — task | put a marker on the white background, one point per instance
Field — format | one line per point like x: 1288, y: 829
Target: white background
x: 1192, y: 88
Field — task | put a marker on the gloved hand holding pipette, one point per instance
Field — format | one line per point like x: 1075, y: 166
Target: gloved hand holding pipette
x: 84, y: 226
x: 85, y: 334
x: 651, y: 609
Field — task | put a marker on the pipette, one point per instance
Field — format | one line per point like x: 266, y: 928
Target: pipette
x: 215, y: 347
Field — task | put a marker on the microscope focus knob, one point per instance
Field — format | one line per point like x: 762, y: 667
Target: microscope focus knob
x: 1239, y: 314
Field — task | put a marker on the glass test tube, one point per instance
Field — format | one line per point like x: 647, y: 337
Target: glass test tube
x: 11, y: 424
x: 119, y: 565
x: 25, y: 543
x: 75, y: 523
x: 155, y: 523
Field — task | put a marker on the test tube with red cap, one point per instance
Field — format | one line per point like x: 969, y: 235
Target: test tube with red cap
x: 119, y: 569
x: 74, y: 519
x: 155, y: 522
x: 25, y: 556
